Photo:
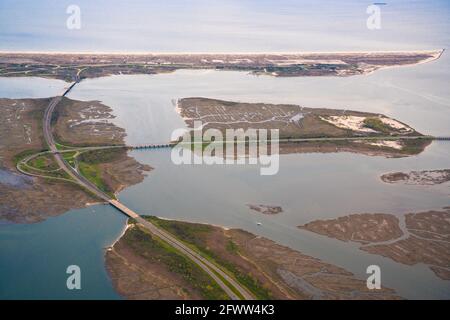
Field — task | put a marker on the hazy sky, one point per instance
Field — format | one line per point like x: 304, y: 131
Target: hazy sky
x: 240, y: 25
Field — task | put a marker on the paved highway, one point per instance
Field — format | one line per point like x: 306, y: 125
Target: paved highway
x: 288, y: 140
x: 204, y: 263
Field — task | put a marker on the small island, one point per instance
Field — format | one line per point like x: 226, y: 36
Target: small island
x: 423, y: 178
x: 265, y: 209
x: 425, y: 237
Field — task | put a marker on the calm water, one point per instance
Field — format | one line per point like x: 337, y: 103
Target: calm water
x: 34, y: 257
x: 16, y: 88
x: 233, y: 25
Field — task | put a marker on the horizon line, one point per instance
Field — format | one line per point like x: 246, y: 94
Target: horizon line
x: 210, y: 52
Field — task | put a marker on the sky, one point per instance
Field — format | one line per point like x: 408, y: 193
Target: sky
x: 222, y: 26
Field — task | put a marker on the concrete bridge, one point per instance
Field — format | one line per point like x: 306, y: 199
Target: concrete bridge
x: 153, y: 146
x: 287, y: 140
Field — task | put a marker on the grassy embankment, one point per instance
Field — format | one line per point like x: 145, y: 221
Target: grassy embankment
x: 90, y: 166
x: 196, y: 236
x: 70, y: 157
x: 376, y: 124
x: 409, y: 147
x: 156, y: 251
x: 43, y: 165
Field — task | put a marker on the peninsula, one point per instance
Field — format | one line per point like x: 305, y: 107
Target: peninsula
x: 66, y: 66
x: 305, y: 130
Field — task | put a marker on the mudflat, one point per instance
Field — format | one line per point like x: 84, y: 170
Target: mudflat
x: 265, y: 209
x: 424, y: 177
x: 425, y: 237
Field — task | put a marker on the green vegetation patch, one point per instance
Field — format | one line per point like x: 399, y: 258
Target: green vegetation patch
x: 44, y: 162
x: 415, y: 146
x: 22, y: 155
x: 62, y: 147
x: 376, y: 124
x: 43, y: 165
x: 89, y: 165
x: 232, y: 247
x: 196, y: 235
x: 45, y: 174
x: 93, y: 173
x: 70, y: 157
x: 101, y: 155
x: 155, y: 250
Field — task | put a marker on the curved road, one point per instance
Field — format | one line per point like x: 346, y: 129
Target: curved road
x: 215, y: 272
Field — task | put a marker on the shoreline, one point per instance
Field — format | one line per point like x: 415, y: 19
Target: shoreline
x: 122, y: 233
x: 127, y: 226
x: 202, y: 223
x: 433, y: 58
x: 68, y: 65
